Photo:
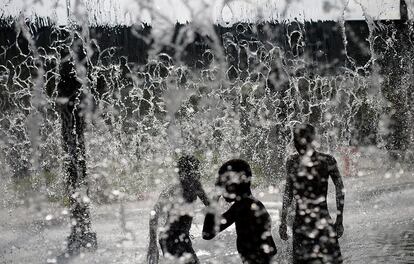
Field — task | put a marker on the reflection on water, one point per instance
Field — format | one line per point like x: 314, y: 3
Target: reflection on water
x: 388, y: 248
x: 385, y: 232
x: 402, y: 248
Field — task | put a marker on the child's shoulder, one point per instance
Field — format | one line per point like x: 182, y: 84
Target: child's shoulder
x: 252, y: 203
x: 326, y: 158
x: 170, y: 191
x: 292, y: 158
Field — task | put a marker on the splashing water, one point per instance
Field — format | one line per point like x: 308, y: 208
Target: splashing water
x: 212, y: 91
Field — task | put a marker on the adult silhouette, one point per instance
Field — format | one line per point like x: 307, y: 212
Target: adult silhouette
x: 315, y: 235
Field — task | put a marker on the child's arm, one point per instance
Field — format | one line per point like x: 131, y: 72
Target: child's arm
x: 287, y: 201
x: 153, y: 253
x: 210, y: 228
x: 202, y: 194
x: 340, y: 195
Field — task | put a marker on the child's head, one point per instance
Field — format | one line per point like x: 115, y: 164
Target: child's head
x: 303, y: 136
x: 235, y: 178
x: 188, y: 170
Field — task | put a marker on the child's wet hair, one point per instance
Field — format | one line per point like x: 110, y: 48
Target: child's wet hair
x: 242, y: 186
x: 188, y: 162
x: 188, y: 167
x: 304, y: 131
x: 189, y: 175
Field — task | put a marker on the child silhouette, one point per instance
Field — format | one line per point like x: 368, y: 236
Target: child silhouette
x: 176, y: 201
x: 253, y: 224
x: 315, y: 235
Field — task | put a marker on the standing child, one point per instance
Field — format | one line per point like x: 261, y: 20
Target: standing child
x: 176, y: 201
x: 315, y: 234
x: 253, y: 224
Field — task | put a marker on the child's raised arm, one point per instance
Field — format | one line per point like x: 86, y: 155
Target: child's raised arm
x: 210, y: 227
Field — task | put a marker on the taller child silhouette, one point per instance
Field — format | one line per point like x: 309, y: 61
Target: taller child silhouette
x: 315, y: 235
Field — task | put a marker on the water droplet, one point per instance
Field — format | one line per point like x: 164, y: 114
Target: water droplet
x: 49, y: 217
